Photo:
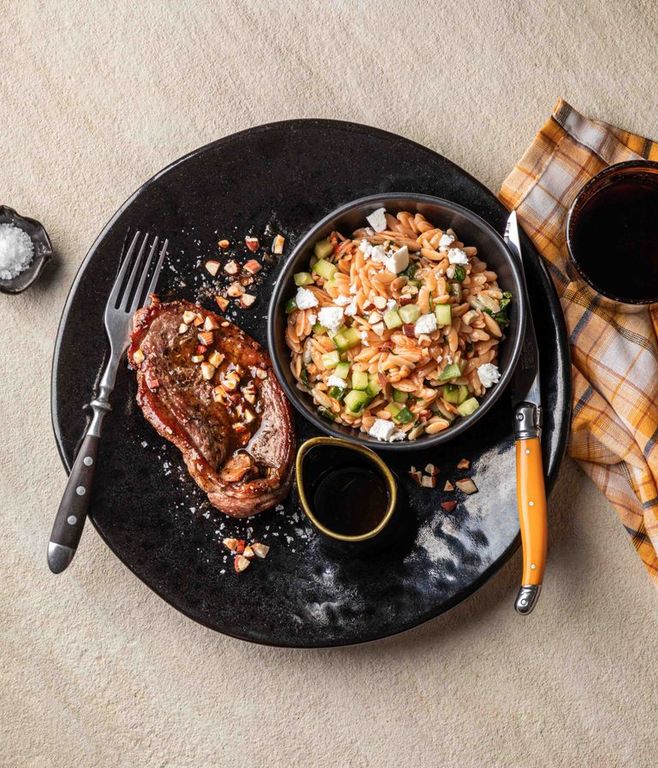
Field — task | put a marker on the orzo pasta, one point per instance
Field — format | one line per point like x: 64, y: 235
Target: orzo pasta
x: 395, y: 331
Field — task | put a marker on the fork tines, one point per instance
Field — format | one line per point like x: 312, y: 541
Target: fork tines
x: 128, y: 295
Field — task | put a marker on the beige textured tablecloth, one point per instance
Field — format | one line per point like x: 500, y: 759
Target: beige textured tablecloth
x: 95, y: 670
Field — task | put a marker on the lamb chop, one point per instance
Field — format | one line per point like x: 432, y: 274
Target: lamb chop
x: 208, y: 387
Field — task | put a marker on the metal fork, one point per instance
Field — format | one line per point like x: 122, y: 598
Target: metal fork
x: 124, y: 300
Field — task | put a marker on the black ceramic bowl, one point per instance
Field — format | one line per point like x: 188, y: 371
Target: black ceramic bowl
x: 472, y: 230
x: 43, y: 250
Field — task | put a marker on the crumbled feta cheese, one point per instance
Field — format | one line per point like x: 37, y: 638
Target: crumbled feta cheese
x: 397, y: 435
x: 379, y: 329
x: 450, y: 273
x: 457, y: 256
x: 446, y: 241
x: 336, y: 381
x: 382, y: 429
x: 305, y: 299
x: 425, y: 324
x: 398, y: 261
x: 377, y: 219
x: 331, y: 317
x: 351, y: 308
x: 370, y: 231
x: 378, y: 254
x: 363, y: 335
x: 488, y: 375
x: 342, y: 301
x: 312, y: 318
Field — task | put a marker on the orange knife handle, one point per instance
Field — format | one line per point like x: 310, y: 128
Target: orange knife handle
x: 531, y: 500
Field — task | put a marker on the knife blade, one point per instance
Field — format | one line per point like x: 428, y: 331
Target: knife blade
x: 530, y: 489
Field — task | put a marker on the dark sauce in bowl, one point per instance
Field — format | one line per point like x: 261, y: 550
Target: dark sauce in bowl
x: 614, y: 238
x: 347, y: 492
x: 350, y: 501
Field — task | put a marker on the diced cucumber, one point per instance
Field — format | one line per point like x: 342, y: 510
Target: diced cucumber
x: 337, y: 392
x: 373, y: 388
x: 325, y: 269
x: 393, y: 409
x: 392, y: 319
x: 409, y: 313
x: 404, y: 416
x: 410, y: 271
x: 326, y: 414
x: 304, y: 376
x: 451, y: 371
x: 468, y: 406
x: 323, y: 248
x: 291, y: 306
x: 443, y: 314
x: 342, y: 370
x: 455, y: 289
x: 346, y: 339
x: 455, y: 393
x: 330, y: 359
x: 319, y: 329
x: 359, y: 380
x: 399, y: 396
x: 415, y: 283
x: 460, y: 273
x: 356, y: 400
x: 303, y: 278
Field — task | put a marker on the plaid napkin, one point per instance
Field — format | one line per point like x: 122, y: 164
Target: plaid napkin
x: 614, y: 430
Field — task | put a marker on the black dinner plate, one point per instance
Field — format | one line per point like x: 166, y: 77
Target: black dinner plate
x: 283, y: 177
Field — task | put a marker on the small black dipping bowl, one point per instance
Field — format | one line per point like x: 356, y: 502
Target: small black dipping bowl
x: 43, y: 250
x: 472, y: 230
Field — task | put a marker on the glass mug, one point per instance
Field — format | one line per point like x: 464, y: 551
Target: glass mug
x: 612, y: 235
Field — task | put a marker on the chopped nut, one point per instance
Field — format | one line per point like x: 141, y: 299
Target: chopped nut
x: 248, y: 552
x: 205, y: 337
x: 197, y: 358
x: 138, y: 356
x: 252, y: 243
x: 215, y: 358
x: 448, y: 486
x: 188, y: 316
x: 464, y: 464
x: 183, y: 328
x: 466, y: 485
x: 261, y: 373
x: 428, y: 482
x: 448, y: 506
x: 201, y: 349
x: 416, y: 475
x: 212, y: 266
x: 374, y: 317
x: 246, y: 280
x: 230, y: 544
x: 380, y: 302
x: 230, y: 380
x: 431, y: 470
x: 247, y: 299
x: 260, y: 550
x: 249, y: 392
x: 222, y: 303
x: 207, y: 371
x: 235, y: 290
x: 409, y: 330
x: 198, y: 320
x: 277, y: 244
x: 223, y: 244
x: 249, y: 416
x: 219, y: 394
x: 241, y: 563
x: 231, y: 268
x: 253, y: 266
x: 210, y: 324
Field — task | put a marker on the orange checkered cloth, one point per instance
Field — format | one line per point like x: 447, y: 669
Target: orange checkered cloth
x: 614, y: 355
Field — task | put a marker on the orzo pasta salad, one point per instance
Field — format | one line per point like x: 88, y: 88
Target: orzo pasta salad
x: 395, y: 331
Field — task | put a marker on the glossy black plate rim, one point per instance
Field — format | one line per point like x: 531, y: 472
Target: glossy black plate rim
x: 555, y: 310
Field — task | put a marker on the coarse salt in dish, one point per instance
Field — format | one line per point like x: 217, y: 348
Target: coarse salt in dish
x: 16, y: 251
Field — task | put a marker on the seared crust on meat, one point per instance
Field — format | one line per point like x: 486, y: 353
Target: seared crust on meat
x: 231, y: 421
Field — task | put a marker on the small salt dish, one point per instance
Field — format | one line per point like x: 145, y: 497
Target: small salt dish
x: 43, y: 250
